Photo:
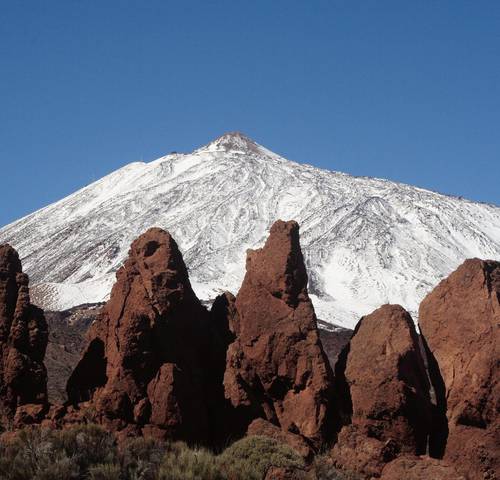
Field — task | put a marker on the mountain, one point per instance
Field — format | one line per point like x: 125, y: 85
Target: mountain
x: 366, y: 241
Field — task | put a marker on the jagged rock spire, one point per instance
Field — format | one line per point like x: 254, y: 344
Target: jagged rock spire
x: 276, y: 368
x: 23, y: 340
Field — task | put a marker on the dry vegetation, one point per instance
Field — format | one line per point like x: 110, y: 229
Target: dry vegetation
x: 89, y: 452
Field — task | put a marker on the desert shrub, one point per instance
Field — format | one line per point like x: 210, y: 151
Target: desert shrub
x: 61, y: 468
x: 183, y: 463
x: 105, y: 471
x: 87, y: 444
x: 251, y: 457
x: 42, y: 454
x: 325, y: 470
x: 140, y: 459
x: 31, y: 455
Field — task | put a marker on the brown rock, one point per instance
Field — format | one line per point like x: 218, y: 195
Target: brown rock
x: 383, y: 393
x: 459, y: 321
x: 286, y: 473
x: 419, y: 468
x: 23, y: 340
x: 67, y: 333
x: 361, y: 455
x: 276, y: 368
x: 264, y: 428
x: 145, y: 366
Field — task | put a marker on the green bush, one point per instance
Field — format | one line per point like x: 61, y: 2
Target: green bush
x: 182, y: 463
x: 88, y: 452
x: 251, y: 457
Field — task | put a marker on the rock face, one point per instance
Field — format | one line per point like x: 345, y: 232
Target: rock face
x: 145, y: 367
x: 67, y: 339
x: 460, y: 322
x: 419, y: 468
x: 276, y: 368
x: 383, y: 393
x: 23, y: 340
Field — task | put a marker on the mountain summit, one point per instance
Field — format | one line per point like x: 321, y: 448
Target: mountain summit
x: 233, y: 142
x: 365, y: 241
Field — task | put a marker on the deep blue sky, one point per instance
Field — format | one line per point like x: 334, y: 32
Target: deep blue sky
x: 406, y: 90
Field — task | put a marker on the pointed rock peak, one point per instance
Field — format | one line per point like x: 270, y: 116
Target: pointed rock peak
x: 233, y: 142
x: 155, y: 266
x: 156, y: 247
x: 156, y: 250
x: 277, y: 351
x: 23, y: 340
x: 9, y: 259
x: 279, y: 267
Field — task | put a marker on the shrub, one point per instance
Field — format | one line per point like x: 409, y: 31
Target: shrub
x: 87, y: 444
x: 105, y: 471
x: 31, y: 456
x: 325, y: 470
x: 42, y: 454
x: 183, y: 463
x: 140, y: 458
x: 61, y: 468
x: 251, y: 457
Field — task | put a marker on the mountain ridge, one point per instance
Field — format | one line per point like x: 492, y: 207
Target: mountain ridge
x: 366, y: 240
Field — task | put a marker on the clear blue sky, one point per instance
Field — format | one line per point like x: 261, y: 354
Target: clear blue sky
x: 406, y: 90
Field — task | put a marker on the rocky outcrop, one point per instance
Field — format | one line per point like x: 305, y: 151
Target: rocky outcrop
x: 146, y: 367
x: 382, y: 392
x: 419, y: 468
x: 459, y: 321
x: 23, y: 340
x: 276, y: 368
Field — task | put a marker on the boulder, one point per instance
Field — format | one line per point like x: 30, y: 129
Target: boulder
x: 459, y: 321
x: 382, y: 393
x: 276, y: 368
x: 23, y: 340
x: 409, y: 467
x: 145, y: 368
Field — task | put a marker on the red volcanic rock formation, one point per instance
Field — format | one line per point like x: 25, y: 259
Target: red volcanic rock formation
x: 146, y: 365
x: 460, y: 321
x: 276, y: 368
x: 383, y: 393
x: 23, y: 340
x: 419, y: 468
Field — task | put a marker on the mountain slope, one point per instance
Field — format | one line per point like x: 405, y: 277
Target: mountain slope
x: 366, y: 241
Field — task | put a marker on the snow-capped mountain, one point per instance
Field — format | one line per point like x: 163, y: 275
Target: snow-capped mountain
x: 366, y: 241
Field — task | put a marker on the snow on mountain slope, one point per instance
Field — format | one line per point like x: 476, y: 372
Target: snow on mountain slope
x: 366, y: 241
